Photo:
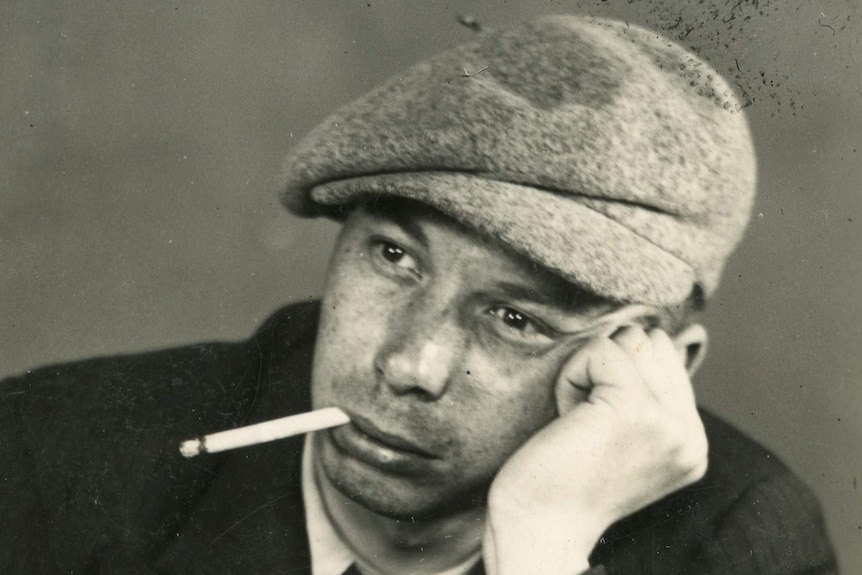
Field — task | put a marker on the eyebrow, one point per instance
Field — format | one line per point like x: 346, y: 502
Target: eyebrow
x: 567, y: 302
x: 522, y: 292
x: 406, y: 224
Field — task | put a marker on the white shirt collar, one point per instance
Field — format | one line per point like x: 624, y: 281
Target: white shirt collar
x: 329, y: 554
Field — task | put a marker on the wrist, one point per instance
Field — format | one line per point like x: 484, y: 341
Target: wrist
x: 551, y: 543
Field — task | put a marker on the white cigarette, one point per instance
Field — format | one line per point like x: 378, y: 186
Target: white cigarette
x: 266, y: 431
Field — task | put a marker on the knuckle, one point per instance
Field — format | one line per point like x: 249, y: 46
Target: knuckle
x: 659, y: 337
x: 633, y: 339
x: 662, y: 346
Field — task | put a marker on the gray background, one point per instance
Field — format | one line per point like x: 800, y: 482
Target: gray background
x: 140, y: 149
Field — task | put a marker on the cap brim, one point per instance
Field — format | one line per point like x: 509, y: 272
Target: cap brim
x: 557, y: 231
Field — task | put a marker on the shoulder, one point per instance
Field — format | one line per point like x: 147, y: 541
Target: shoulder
x: 90, y: 448
x: 181, y: 381
x: 749, y: 508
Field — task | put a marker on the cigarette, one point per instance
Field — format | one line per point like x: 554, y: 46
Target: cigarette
x: 264, y: 432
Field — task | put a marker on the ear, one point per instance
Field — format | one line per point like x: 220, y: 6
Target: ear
x: 690, y: 343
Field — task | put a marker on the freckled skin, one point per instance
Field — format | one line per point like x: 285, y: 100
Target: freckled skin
x: 396, y: 341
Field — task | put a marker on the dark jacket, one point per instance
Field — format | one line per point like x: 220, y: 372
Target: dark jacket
x: 92, y: 480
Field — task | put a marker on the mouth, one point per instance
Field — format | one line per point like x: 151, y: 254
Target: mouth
x: 389, y: 440
x: 363, y: 441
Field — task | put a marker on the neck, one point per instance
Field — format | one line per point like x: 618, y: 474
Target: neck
x: 384, y: 545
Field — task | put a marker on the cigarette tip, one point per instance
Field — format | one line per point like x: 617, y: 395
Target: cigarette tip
x: 190, y: 448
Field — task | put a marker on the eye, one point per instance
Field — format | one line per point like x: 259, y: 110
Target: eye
x: 511, y: 317
x: 392, y: 253
x: 396, y: 256
x: 515, y: 325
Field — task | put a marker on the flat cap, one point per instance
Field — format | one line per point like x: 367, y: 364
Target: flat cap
x: 598, y: 149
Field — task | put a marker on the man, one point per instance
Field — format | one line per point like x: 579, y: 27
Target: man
x: 531, y: 223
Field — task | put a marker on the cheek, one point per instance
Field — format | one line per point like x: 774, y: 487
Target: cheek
x: 501, y: 407
x: 522, y: 387
x: 351, y: 322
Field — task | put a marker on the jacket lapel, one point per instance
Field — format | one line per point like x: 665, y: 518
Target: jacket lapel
x: 250, y: 519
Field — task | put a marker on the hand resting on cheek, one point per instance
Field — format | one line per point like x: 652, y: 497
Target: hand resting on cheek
x: 628, y: 434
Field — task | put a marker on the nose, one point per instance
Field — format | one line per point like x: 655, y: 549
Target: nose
x: 419, y: 354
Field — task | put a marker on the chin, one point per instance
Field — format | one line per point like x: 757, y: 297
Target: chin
x: 392, y: 498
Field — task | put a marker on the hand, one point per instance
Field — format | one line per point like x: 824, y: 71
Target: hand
x: 629, y: 433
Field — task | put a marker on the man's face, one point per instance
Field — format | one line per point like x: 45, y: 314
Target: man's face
x: 443, y: 347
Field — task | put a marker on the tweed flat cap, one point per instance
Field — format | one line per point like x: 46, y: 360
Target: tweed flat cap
x: 597, y: 149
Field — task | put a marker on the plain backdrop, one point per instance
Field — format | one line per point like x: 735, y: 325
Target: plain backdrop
x: 140, y: 149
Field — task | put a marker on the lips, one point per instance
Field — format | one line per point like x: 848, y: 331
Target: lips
x: 389, y: 440
x: 363, y: 441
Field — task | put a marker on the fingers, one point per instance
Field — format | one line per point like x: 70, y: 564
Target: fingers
x: 641, y: 377
x: 623, y: 368
x: 600, y: 371
x: 664, y: 376
x: 661, y: 366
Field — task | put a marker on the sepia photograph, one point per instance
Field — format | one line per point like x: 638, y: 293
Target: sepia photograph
x: 440, y: 288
